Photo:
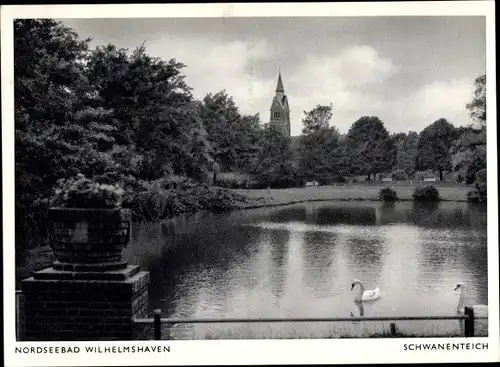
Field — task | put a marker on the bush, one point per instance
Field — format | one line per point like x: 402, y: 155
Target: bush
x: 479, y: 195
x: 481, y: 184
x: 231, y: 183
x: 233, y: 180
x: 178, y: 182
x: 280, y: 176
x: 157, y: 203
x: 81, y: 192
x: 474, y: 169
x: 388, y: 194
x: 330, y: 180
x: 473, y: 196
x: 426, y: 193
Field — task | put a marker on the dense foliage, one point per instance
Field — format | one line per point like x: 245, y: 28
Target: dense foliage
x: 124, y: 118
x: 388, y: 194
x: 81, y: 192
x: 274, y: 164
x: 175, y: 195
x: 406, y: 153
x: 116, y: 117
x: 427, y: 193
x: 319, y: 148
x: 434, y: 146
x: 479, y: 194
x: 369, y: 148
x: 477, y: 107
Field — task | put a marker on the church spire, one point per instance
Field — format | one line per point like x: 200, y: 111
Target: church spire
x: 279, y: 87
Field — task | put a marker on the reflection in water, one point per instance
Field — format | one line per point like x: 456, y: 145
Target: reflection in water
x: 300, y: 260
x: 365, y: 251
x: 279, y: 247
x: 288, y: 215
x: 361, y: 308
x: 358, y: 215
x: 319, y: 258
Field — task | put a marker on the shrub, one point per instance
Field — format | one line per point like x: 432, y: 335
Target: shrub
x: 233, y: 180
x: 426, y: 193
x: 330, y: 180
x: 479, y: 195
x: 473, y: 196
x: 481, y: 184
x: 81, y: 192
x: 178, y: 182
x: 231, y: 183
x: 388, y: 194
x: 156, y: 204
x: 280, y: 176
x: 474, y: 169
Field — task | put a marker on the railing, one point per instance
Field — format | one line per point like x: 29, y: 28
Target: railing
x: 157, y: 321
x: 19, y: 316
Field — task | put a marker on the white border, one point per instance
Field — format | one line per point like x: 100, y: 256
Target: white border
x: 248, y: 351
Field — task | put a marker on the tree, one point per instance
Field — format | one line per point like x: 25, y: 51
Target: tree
x: 59, y: 131
x: 273, y: 166
x: 477, y: 107
x: 233, y: 137
x: 153, y: 110
x: 468, y: 154
x: 319, y: 153
x: 396, y: 140
x: 434, y: 146
x: 369, y: 148
x: 406, y: 153
x: 318, y: 144
x: 316, y: 119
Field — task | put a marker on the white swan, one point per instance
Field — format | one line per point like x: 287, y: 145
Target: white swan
x: 460, y: 307
x: 481, y: 326
x: 363, y: 295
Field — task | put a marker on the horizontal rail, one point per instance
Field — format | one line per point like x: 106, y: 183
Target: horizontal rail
x: 301, y: 319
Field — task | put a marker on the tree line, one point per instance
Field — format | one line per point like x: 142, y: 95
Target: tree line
x: 121, y: 116
x: 369, y: 149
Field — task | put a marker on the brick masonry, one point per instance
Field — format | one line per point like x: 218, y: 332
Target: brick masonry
x: 64, y: 305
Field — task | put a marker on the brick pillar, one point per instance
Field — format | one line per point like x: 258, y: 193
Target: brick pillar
x: 90, y: 293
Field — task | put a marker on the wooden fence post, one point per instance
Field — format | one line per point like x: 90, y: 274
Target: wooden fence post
x: 469, y: 322
x: 157, y: 323
x: 393, y: 329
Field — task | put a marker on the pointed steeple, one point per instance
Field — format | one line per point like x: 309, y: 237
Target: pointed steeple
x: 280, y: 110
x: 279, y: 87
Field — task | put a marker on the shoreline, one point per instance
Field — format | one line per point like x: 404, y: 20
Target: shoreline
x: 276, y: 198
x: 355, y: 193
x: 270, y: 205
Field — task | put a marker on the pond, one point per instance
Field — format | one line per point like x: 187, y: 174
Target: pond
x: 300, y: 260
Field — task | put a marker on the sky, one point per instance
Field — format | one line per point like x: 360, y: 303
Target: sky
x: 408, y: 71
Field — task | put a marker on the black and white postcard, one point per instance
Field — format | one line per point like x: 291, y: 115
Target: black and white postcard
x: 206, y: 184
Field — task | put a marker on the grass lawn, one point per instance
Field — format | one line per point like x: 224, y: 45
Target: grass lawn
x: 347, y: 192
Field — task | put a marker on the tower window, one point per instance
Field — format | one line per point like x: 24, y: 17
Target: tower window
x: 276, y: 114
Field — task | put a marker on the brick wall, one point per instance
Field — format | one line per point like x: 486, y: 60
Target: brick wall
x: 69, y: 309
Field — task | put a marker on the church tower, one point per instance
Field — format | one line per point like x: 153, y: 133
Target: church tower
x: 280, y: 111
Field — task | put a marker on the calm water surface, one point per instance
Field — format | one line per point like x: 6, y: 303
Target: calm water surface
x: 299, y: 261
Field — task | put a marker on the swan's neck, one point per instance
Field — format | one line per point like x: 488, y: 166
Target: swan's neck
x: 461, y: 299
x: 361, y: 288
